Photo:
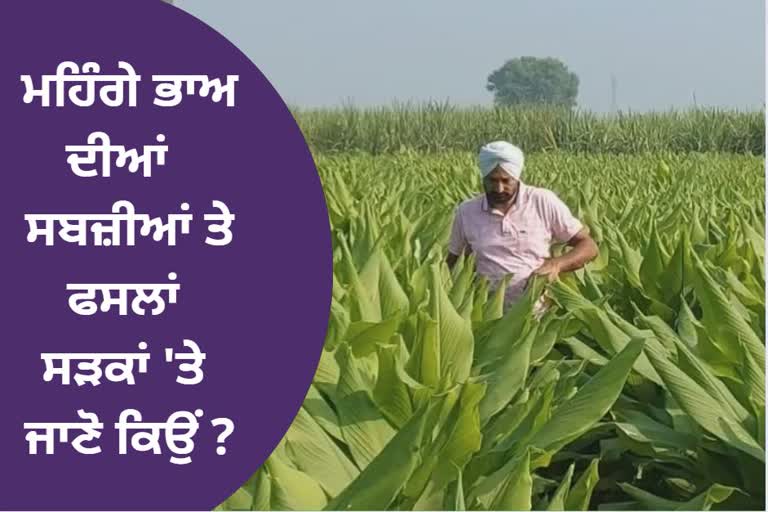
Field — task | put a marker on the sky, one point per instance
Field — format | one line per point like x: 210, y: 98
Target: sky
x: 663, y: 54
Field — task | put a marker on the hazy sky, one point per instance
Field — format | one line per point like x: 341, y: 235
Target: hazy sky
x: 662, y: 52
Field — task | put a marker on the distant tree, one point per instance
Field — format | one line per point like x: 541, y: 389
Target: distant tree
x: 530, y: 80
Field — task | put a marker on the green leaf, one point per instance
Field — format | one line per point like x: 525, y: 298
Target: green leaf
x: 391, y: 394
x: 677, y: 274
x: 455, y: 339
x: 716, y: 493
x: 585, y: 352
x: 643, y: 429
x: 654, y: 262
x: 581, y: 493
x: 557, y: 502
x: 463, y: 435
x: 548, y: 334
x: 686, y: 325
x: 631, y: 261
x: 515, y: 493
x: 380, y: 482
x: 363, y: 307
x: 494, y: 308
x: 576, y: 416
x: 394, y: 301
x: 612, y: 339
x: 317, y: 407
x: 293, y: 489
x: 261, y: 490
x: 363, y: 426
x: 695, y: 368
x: 509, y: 488
x: 312, y: 451
x: 364, y: 337
x: 508, y: 376
x: 510, y: 327
x: 700, y: 406
x: 724, y: 323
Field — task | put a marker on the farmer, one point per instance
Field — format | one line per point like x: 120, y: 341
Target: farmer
x: 511, y: 227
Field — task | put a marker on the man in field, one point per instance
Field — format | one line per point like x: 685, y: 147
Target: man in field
x: 513, y: 225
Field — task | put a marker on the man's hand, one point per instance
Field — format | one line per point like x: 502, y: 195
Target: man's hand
x: 550, y: 269
x: 584, y: 250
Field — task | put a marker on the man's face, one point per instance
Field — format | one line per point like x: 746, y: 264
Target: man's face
x: 500, y: 187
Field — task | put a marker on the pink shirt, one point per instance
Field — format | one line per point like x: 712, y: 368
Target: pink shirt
x: 516, y: 243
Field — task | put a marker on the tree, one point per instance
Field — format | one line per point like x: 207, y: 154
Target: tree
x: 530, y: 80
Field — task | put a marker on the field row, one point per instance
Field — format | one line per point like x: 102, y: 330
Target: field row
x: 642, y: 388
x: 436, y: 128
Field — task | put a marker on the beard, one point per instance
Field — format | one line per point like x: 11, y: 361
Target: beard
x: 497, y: 198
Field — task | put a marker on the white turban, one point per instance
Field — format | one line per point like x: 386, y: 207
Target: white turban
x: 507, y: 156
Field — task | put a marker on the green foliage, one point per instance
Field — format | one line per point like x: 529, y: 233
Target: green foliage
x: 439, y: 127
x: 641, y: 388
x: 531, y: 80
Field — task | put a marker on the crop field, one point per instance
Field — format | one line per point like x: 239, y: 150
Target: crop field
x: 642, y: 387
x: 437, y: 127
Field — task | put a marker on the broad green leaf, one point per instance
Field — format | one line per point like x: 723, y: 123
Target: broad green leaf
x: 455, y: 340
x: 380, y: 482
x: 557, y: 502
x: 362, y: 306
x: 394, y: 301
x: 590, y: 403
x: 507, y: 377
x: 363, y: 426
x: 509, y: 488
x: 697, y: 369
x: 241, y: 499
x: 312, y: 451
x: 644, y: 429
x: 699, y: 405
x: 515, y: 493
x: 631, y: 260
x: 507, y: 420
x: 459, y: 268
x: 704, y: 501
x: 364, y: 337
x: 655, y: 260
x: 337, y: 325
x: 391, y: 394
x: 510, y: 327
x: 585, y: 352
x: 494, y: 308
x: 548, y: 334
x: 464, y: 436
x: 725, y: 324
x: 538, y: 415
x: 678, y: 272
x: 262, y: 490
x: 581, y: 493
x: 686, y: 325
x: 293, y: 489
x: 612, y: 339
x: 327, y: 374
x: 317, y: 407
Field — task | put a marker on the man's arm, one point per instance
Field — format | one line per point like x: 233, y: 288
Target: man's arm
x: 583, y: 250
